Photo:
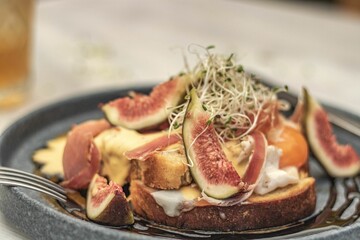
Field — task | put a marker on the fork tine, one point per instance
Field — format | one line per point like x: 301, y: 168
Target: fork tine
x: 33, y: 187
x: 30, y: 176
x: 357, y: 183
x: 350, y: 185
x: 339, y: 212
x: 32, y: 183
x: 351, y: 195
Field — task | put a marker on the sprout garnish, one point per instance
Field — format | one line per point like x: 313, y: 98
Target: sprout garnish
x: 233, y: 98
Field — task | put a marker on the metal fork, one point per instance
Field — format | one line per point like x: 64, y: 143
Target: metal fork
x: 18, y: 178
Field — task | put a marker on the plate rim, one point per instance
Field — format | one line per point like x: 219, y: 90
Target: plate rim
x: 51, y: 212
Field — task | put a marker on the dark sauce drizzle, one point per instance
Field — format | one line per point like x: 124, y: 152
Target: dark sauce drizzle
x: 330, y: 217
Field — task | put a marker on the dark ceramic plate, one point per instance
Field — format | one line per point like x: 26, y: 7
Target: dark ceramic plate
x: 38, y: 218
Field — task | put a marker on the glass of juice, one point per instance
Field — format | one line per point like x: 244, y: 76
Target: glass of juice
x: 15, y: 42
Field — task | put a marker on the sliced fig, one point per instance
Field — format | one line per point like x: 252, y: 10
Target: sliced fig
x: 107, y: 204
x: 298, y: 113
x: 145, y: 111
x: 214, y: 174
x: 338, y: 160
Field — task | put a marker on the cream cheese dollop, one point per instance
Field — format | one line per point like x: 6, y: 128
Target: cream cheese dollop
x: 170, y: 200
x: 176, y: 201
x: 273, y: 177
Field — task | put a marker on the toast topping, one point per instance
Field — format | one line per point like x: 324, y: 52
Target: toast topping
x: 81, y: 158
x: 273, y: 177
x: 209, y: 166
x: 237, y: 102
x: 175, y: 201
x: 112, y: 144
x: 147, y: 150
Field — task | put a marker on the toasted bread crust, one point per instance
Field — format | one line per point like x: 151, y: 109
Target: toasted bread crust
x: 162, y: 170
x: 280, y: 207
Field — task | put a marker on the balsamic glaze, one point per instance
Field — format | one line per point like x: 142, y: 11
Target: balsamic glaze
x: 323, y: 220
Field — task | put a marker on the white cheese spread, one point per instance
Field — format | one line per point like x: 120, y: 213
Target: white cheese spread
x: 175, y: 201
x: 170, y: 200
x: 273, y: 177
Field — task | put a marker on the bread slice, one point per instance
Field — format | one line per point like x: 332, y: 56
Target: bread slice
x: 279, y: 207
x: 163, y: 170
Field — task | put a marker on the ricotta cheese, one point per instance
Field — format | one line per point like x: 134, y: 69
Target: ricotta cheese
x: 174, y: 201
x: 273, y: 177
x: 170, y: 200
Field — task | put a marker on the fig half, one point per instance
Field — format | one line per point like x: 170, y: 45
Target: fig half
x: 213, y: 173
x: 146, y: 111
x: 107, y: 204
x: 338, y: 160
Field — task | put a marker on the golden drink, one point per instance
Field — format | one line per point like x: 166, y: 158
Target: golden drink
x: 15, y: 36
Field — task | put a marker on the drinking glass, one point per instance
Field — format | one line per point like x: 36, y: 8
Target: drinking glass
x: 15, y: 47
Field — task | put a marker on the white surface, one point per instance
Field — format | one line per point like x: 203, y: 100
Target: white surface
x: 82, y: 46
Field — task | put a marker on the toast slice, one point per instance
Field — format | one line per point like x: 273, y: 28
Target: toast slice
x: 282, y: 206
x: 112, y: 144
x: 163, y: 170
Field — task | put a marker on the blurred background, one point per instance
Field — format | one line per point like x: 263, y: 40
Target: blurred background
x: 83, y: 46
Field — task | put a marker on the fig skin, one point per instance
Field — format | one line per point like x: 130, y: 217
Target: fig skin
x: 117, y: 212
x: 338, y: 160
x: 222, y: 181
x: 146, y: 112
